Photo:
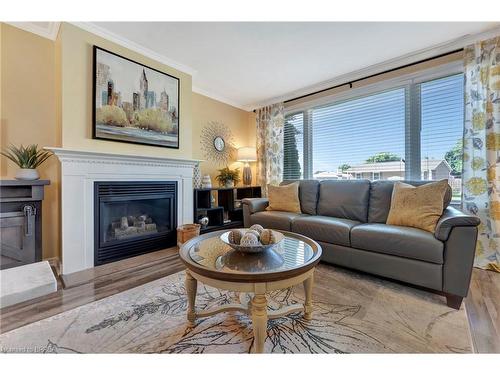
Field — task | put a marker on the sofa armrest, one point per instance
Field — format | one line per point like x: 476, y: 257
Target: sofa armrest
x: 459, y: 250
x: 451, y: 218
x: 255, y: 204
x: 251, y: 206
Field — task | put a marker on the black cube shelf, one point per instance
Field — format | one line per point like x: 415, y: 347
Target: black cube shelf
x: 226, y: 212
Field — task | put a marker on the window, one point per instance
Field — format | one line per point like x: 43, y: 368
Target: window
x: 410, y: 130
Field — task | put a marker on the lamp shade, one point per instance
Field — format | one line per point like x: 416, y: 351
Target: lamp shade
x: 247, y: 154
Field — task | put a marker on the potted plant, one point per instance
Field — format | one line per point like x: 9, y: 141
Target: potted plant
x: 28, y: 159
x: 228, y: 177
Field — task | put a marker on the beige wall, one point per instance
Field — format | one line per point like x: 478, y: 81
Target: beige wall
x: 28, y: 103
x: 195, y: 110
x: 76, y: 73
x: 237, y: 120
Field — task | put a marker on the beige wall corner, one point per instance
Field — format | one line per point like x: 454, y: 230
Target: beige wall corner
x: 205, y: 110
x: 28, y: 116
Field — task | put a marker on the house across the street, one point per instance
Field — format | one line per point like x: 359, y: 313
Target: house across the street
x: 431, y: 169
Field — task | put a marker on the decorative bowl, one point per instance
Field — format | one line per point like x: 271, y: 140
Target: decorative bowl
x: 251, y: 249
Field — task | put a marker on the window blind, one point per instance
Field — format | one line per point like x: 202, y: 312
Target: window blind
x: 442, y: 118
x: 351, y: 138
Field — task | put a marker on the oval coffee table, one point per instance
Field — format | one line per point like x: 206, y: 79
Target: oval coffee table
x: 214, y: 263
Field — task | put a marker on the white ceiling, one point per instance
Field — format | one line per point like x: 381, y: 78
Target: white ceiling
x: 250, y: 64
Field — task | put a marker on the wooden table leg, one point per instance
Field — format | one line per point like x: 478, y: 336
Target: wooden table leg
x: 308, y: 288
x: 259, y: 322
x: 191, y: 286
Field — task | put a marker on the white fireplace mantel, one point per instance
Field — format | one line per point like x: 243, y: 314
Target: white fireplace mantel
x: 79, y: 171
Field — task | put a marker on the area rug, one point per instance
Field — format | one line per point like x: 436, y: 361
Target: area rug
x: 354, y: 313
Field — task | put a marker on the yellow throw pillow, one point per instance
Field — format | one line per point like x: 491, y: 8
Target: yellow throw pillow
x: 418, y: 207
x: 284, y: 198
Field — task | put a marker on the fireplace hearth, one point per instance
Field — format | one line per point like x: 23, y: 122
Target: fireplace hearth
x: 132, y: 218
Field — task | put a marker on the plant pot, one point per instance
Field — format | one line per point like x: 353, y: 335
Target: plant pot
x: 27, y: 174
x: 229, y: 183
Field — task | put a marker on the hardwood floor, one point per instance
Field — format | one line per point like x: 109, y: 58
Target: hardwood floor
x: 483, y: 311
x: 482, y: 304
x: 92, y: 285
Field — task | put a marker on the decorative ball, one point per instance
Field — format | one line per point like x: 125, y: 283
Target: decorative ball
x: 267, y: 237
x: 249, y: 239
x: 235, y: 236
x: 257, y: 227
x: 254, y: 232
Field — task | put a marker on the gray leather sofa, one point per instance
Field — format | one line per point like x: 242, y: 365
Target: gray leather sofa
x: 347, y: 218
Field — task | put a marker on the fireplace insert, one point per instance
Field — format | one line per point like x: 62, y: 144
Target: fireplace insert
x: 133, y: 218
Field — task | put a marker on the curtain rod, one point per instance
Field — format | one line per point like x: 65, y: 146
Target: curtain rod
x: 372, y: 75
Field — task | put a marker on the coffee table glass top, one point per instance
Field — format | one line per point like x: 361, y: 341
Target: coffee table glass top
x: 293, y: 252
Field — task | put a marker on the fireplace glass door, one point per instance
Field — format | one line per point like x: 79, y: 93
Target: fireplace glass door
x: 133, y: 218
x: 126, y: 218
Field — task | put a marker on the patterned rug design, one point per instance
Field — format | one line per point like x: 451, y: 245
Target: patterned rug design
x: 354, y: 313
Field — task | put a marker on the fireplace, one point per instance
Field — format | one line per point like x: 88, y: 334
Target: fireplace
x: 132, y: 218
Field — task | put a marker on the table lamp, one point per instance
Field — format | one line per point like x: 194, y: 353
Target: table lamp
x: 246, y: 155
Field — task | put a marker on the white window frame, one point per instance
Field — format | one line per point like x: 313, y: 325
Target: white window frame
x: 410, y: 82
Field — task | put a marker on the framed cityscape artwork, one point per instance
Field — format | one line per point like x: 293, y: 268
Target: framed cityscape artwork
x: 133, y: 102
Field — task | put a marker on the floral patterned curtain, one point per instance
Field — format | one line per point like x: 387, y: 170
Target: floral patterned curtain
x: 482, y: 146
x: 270, y: 121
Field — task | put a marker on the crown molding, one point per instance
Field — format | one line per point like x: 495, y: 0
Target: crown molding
x: 49, y: 32
x: 409, y: 58
x: 127, y: 43
x: 222, y: 99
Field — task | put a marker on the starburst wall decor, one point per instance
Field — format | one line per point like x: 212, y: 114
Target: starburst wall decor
x: 217, y: 143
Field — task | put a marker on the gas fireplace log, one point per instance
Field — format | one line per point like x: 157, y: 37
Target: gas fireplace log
x: 124, y: 223
x: 151, y: 227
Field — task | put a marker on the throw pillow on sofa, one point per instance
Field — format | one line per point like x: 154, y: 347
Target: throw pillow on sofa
x: 284, y: 198
x: 418, y: 207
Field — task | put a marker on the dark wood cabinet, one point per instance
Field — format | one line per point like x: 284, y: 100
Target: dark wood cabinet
x: 21, y: 222
x: 226, y: 211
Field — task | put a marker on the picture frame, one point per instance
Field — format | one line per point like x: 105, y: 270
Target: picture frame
x: 133, y: 102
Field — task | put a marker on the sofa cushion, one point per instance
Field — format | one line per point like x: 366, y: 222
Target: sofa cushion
x: 417, y: 207
x: 274, y: 219
x: 405, y: 242
x: 284, y: 198
x: 344, y: 199
x: 308, y: 195
x: 324, y: 228
x: 380, y: 199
